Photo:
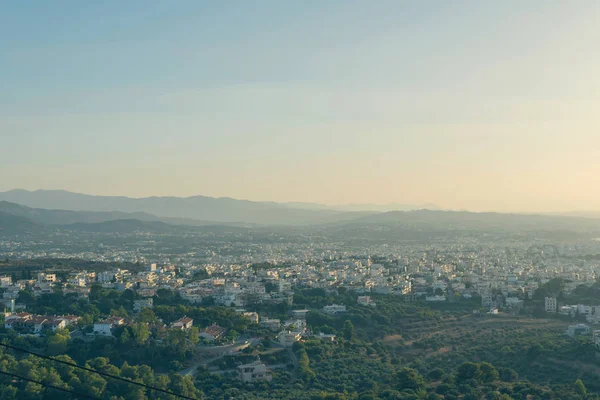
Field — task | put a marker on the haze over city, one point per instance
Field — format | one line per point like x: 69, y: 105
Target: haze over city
x: 485, y: 106
x: 300, y: 200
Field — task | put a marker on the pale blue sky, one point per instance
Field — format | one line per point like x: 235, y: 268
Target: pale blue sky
x: 485, y: 105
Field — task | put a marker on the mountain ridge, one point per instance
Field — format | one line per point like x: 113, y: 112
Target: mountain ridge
x: 203, y: 208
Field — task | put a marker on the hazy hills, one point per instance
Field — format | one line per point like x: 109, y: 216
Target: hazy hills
x: 13, y: 224
x: 18, y: 219
x: 375, y: 208
x: 199, y: 208
x: 453, y: 220
x: 76, y: 212
x: 64, y: 217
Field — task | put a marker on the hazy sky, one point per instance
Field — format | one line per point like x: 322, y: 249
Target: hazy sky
x: 482, y: 105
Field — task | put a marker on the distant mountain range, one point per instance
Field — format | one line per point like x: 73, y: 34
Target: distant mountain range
x: 19, y: 219
x: 375, y: 208
x: 25, y: 211
x: 479, y: 221
x: 180, y: 210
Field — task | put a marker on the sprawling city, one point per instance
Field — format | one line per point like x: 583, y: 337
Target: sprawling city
x: 300, y: 200
x: 389, y: 306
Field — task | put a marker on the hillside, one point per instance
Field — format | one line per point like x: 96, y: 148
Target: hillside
x: 64, y: 217
x: 13, y: 224
x: 67, y: 217
x: 217, y: 210
x: 473, y: 220
x: 125, y: 226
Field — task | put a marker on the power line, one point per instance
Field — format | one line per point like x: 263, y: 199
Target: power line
x: 87, y: 396
x: 104, y: 374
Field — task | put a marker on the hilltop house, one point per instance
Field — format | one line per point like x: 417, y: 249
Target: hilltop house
x: 104, y: 327
x: 253, y: 371
x: 184, y: 323
x: 213, y: 332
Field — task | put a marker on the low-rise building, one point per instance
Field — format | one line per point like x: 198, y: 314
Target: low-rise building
x: 288, y: 338
x: 436, y: 298
x: 328, y: 337
x: 334, y: 309
x: 578, y: 330
x: 104, y: 327
x: 252, y: 316
x: 365, y: 301
x: 213, y: 332
x: 142, y: 303
x: 271, y: 323
x: 184, y: 323
x: 300, y: 314
x: 253, y: 371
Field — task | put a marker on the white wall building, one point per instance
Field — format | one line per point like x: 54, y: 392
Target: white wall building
x: 334, y: 309
x: 550, y: 304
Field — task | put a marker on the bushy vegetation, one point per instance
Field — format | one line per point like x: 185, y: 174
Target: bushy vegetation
x: 396, y: 350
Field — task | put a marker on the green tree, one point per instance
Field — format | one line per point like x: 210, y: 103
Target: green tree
x: 534, y: 351
x: 8, y: 393
x: 348, y: 330
x: 58, y: 342
x: 119, y: 312
x: 86, y: 320
x: 467, y: 371
x: 26, y: 297
x: 141, y: 333
x: 147, y: 316
x: 435, y: 374
x: 304, y: 370
x: 194, y: 335
x: 33, y: 390
x: 408, y: 378
x: 488, y: 372
x: 125, y: 336
x: 184, y: 385
x: 580, y: 388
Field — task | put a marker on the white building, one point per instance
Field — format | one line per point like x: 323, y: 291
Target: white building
x: 184, y: 323
x: 487, y: 299
x: 43, y: 277
x: 213, y: 332
x: 105, y: 276
x: 334, y: 309
x: 253, y: 371
x: 435, y: 298
x: 142, y: 303
x: 252, y: 316
x: 326, y: 337
x: 366, y: 301
x: 300, y: 314
x: 550, y: 304
x: 104, y: 327
x: 513, y: 302
x: 288, y: 338
x: 577, y: 330
x: 5, y: 281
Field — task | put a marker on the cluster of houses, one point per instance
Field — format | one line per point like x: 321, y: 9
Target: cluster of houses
x: 591, y: 313
x: 433, y: 277
x: 32, y: 324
